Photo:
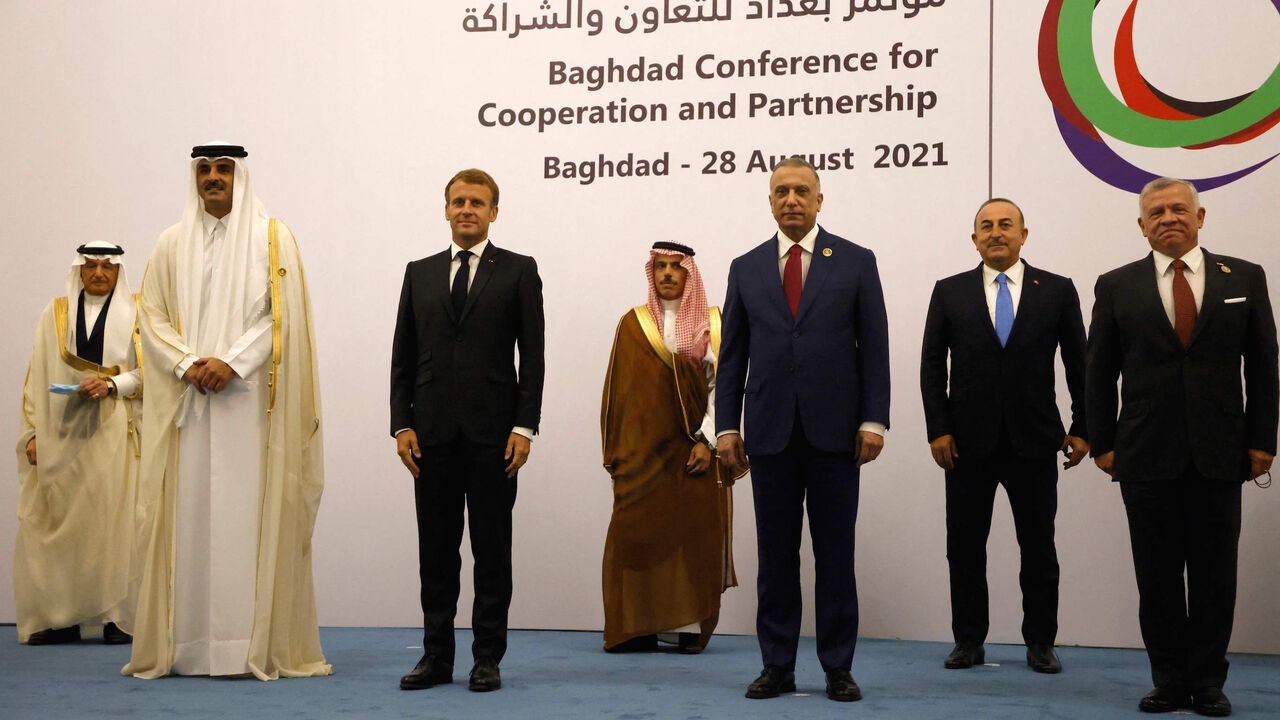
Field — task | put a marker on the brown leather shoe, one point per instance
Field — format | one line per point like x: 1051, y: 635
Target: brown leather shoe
x: 429, y: 672
x: 773, y: 681
x: 965, y: 656
x: 1210, y: 701
x: 484, y: 676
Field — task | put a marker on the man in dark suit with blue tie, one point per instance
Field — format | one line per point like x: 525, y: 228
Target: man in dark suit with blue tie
x: 1002, y: 323
x: 805, y: 353
x: 1182, y: 326
x: 463, y: 418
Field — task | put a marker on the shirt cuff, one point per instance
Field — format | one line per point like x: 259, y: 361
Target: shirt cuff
x: 873, y: 427
x: 181, y: 369
x: 523, y: 431
x: 397, y: 433
x: 722, y: 433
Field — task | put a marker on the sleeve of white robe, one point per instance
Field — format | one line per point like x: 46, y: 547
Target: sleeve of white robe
x: 709, y: 420
x: 251, y: 349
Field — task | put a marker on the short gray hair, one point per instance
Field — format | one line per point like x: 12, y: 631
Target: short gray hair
x: 1161, y: 183
x: 801, y: 162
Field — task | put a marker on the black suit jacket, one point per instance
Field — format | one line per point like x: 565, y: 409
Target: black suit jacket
x: 1011, y: 386
x: 1182, y: 405
x: 458, y: 374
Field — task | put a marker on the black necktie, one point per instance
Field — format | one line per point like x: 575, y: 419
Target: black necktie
x: 459, y: 291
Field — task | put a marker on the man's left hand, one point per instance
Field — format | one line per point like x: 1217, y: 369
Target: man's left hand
x: 216, y: 374
x: 867, y: 447
x: 699, y: 459
x: 1259, y: 462
x: 1075, y: 449
x: 94, y: 388
x: 517, y: 452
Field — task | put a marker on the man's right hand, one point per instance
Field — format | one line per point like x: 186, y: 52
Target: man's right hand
x: 407, y: 449
x: 31, y: 451
x: 1106, y: 462
x: 194, y: 376
x: 730, y: 451
x: 944, y: 451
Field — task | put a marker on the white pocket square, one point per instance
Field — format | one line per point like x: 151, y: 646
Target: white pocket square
x: 1228, y: 301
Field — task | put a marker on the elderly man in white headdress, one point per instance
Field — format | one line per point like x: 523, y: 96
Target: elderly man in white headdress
x: 78, y: 459
x: 668, y: 555
x: 232, y: 460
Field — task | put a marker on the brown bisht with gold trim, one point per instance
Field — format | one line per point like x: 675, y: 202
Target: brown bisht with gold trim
x: 669, y: 554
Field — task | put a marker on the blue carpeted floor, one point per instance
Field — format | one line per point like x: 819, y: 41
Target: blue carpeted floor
x: 566, y: 675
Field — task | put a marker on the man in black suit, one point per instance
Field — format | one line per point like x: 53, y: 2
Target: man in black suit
x: 1179, y: 438
x: 463, y: 418
x: 1002, y: 323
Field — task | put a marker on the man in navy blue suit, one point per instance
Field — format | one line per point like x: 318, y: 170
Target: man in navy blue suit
x: 993, y: 420
x: 805, y: 352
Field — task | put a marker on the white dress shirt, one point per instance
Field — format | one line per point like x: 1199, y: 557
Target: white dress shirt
x: 992, y: 287
x: 1194, y: 273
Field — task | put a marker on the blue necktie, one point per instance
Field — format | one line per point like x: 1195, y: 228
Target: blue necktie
x: 1004, y: 309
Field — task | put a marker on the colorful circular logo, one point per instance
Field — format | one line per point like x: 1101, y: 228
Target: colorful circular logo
x: 1085, y: 108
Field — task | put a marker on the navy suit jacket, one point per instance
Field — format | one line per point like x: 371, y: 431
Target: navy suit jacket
x: 1012, y: 386
x: 829, y: 365
x: 1181, y: 406
x: 454, y: 374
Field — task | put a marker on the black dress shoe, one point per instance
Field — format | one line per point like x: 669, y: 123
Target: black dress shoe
x: 1164, y: 699
x: 773, y: 681
x: 1043, y: 659
x: 484, y: 676
x: 1210, y: 701
x: 113, y: 635
x: 58, y: 636
x: 965, y: 656
x: 642, y: 643
x: 841, y: 687
x: 429, y: 672
x: 689, y: 643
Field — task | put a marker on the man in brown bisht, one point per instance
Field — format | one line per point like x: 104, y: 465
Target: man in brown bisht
x: 669, y: 553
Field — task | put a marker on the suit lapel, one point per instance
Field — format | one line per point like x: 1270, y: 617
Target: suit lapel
x: 437, y: 269
x: 484, y: 271
x: 1215, y: 291
x: 819, y: 267
x: 975, y: 296
x: 765, y: 264
x: 1028, y: 301
x: 1148, y: 297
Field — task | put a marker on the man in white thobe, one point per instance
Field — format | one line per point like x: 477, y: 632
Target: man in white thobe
x: 232, y: 463
x: 78, y: 459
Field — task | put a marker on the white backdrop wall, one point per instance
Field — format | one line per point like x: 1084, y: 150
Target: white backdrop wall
x: 355, y: 114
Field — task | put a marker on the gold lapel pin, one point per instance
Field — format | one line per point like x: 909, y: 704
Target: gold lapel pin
x: 1224, y: 268
x: 826, y: 252
x: 1035, y: 282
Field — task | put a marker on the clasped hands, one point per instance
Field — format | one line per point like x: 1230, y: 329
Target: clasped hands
x: 517, y: 452
x: 209, y: 374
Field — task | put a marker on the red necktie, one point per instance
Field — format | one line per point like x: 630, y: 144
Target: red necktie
x: 791, y: 281
x: 1184, y: 304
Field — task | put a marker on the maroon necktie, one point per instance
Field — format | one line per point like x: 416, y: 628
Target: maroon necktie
x: 791, y: 282
x: 1184, y: 304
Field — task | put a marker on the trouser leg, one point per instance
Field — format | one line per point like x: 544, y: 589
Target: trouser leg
x: 1212, y: 513
x: 971, y: 490
x: 491, y: 495
x: 832, y: 484
x: 1032, y: 486
x: 438, y: 496
x: 778, y: 492
x: 1157, y: 536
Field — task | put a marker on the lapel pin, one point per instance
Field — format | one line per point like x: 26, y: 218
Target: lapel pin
x: 826, y: 252
x: 1224, y: 268
x: 1035, y: 282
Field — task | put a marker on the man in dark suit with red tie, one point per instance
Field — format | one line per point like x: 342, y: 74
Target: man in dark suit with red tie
x: 1179, y: 326
x: 1002, y: 323
x: 805, y: 352
x: 463, y: 418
